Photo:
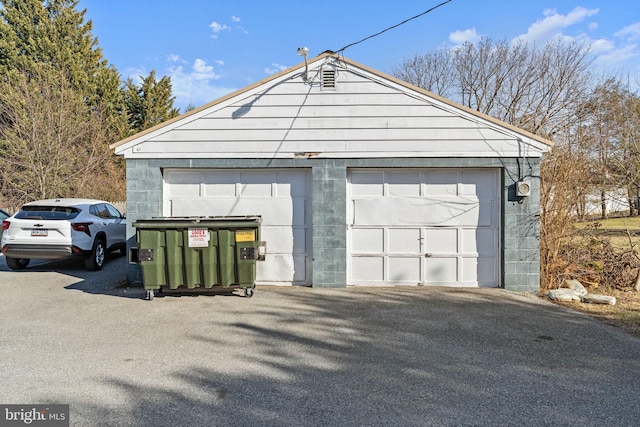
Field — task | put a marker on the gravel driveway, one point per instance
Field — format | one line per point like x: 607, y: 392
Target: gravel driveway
x: 306, y: 357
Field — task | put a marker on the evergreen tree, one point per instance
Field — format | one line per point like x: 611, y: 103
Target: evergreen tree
x: 149, y: 104
x: 50, y: 36
x: 48, y: 52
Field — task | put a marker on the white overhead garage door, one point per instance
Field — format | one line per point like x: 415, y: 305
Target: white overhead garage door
x: 281, y: 197
x: 423, y: 227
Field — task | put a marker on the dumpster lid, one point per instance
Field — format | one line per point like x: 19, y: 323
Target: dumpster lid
x: 181, y: 221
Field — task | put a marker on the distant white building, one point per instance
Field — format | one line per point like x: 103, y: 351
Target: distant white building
x: 615, y: 201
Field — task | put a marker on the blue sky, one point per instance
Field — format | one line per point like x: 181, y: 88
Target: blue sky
x: 210, y: 48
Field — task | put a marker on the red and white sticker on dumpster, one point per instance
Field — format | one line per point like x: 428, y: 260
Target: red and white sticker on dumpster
x: 198, y: 237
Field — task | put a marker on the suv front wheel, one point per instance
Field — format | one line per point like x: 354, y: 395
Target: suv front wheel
x: 95, y: 260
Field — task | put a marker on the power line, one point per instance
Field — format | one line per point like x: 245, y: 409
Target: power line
x: 391, y: 28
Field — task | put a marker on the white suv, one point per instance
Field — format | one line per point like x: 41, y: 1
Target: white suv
x: 63, y: 228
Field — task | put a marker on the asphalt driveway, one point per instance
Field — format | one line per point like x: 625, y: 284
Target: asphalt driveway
x: 306, y: 357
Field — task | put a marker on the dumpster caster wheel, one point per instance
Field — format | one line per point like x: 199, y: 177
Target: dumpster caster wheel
x: 248, y: 292
x: 150, y: 295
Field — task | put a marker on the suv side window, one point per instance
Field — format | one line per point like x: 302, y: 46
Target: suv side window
x: 113, y: 212
x: 100, y: 210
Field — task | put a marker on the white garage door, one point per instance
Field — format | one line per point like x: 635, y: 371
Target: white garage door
x: 424, y: 227
x: 281, y: 197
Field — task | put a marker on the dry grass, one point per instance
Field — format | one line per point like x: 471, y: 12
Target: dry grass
x: 624, y: 235
x: 622, y: 223
x: 625, y: 314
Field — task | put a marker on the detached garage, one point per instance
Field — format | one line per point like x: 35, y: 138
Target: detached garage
x: 360, y: 179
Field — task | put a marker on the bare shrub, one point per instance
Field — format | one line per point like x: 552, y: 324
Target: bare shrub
x: 591, y: 259
x: 51, y: 143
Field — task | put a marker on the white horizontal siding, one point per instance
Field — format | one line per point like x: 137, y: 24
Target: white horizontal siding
x: 419, y: 111
x: 333, y: 149
x: 347, y: 83
x: 363, y: 134
x: 319, y: 122
x: 363, y: 117
x: 319, y: 97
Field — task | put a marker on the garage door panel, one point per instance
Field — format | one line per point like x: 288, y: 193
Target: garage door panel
x: 419, y: 211
x: 486, y: 214
x: 194, y: 207
x: 479, y: 270
x: 404, y: 270
x: 301, y: 211
x: 403, y: 240
x: 368, y: 240
x: 368, y: 270
x: 184, y: 185
x: 441, y: 183
x: 220, y: 190
x: 441, y: 270
x: 300, y: 269
x: 367, y: 183
x: 255, y: 189
x: 404, y: 184
x: 471, y: 239
x: 284, y: 239
x: 220, y: 185
x: 256, y: 183
x: 291, y: 184
x: 478, y: 183
x: 282, y: 268
x: 273, y: 211
x: 441, y: 240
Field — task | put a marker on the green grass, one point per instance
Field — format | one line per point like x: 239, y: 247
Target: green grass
x: 624, y: 223
x: 615, y: 229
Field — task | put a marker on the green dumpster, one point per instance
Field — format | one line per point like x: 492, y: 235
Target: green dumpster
x: 198, y: 252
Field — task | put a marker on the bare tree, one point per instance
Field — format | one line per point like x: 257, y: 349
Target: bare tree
x: 624, y: 116
x: 432, y: 72
x: 536, y: 89
x: 612, y: 126
x: 51, y: 145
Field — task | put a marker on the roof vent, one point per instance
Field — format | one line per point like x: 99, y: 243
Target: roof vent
x: 328, y: 79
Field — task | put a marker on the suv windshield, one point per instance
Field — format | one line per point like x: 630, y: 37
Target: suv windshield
x: 48, y: 212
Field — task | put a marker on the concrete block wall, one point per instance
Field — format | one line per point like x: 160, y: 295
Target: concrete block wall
x: 521, y: 227
x: 144, y: 200
x: 520, y: 243
x: 329, y: 201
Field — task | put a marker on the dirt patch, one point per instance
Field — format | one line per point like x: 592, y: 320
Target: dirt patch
x: 625, y: 314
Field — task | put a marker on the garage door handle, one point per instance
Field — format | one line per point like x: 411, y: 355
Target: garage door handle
x: 428, y: 255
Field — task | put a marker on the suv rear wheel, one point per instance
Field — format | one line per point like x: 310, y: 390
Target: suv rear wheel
x: 95, y: 260
x: 17, y: 263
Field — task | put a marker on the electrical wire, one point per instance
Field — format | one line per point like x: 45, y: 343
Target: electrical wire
x: 391, y: 28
